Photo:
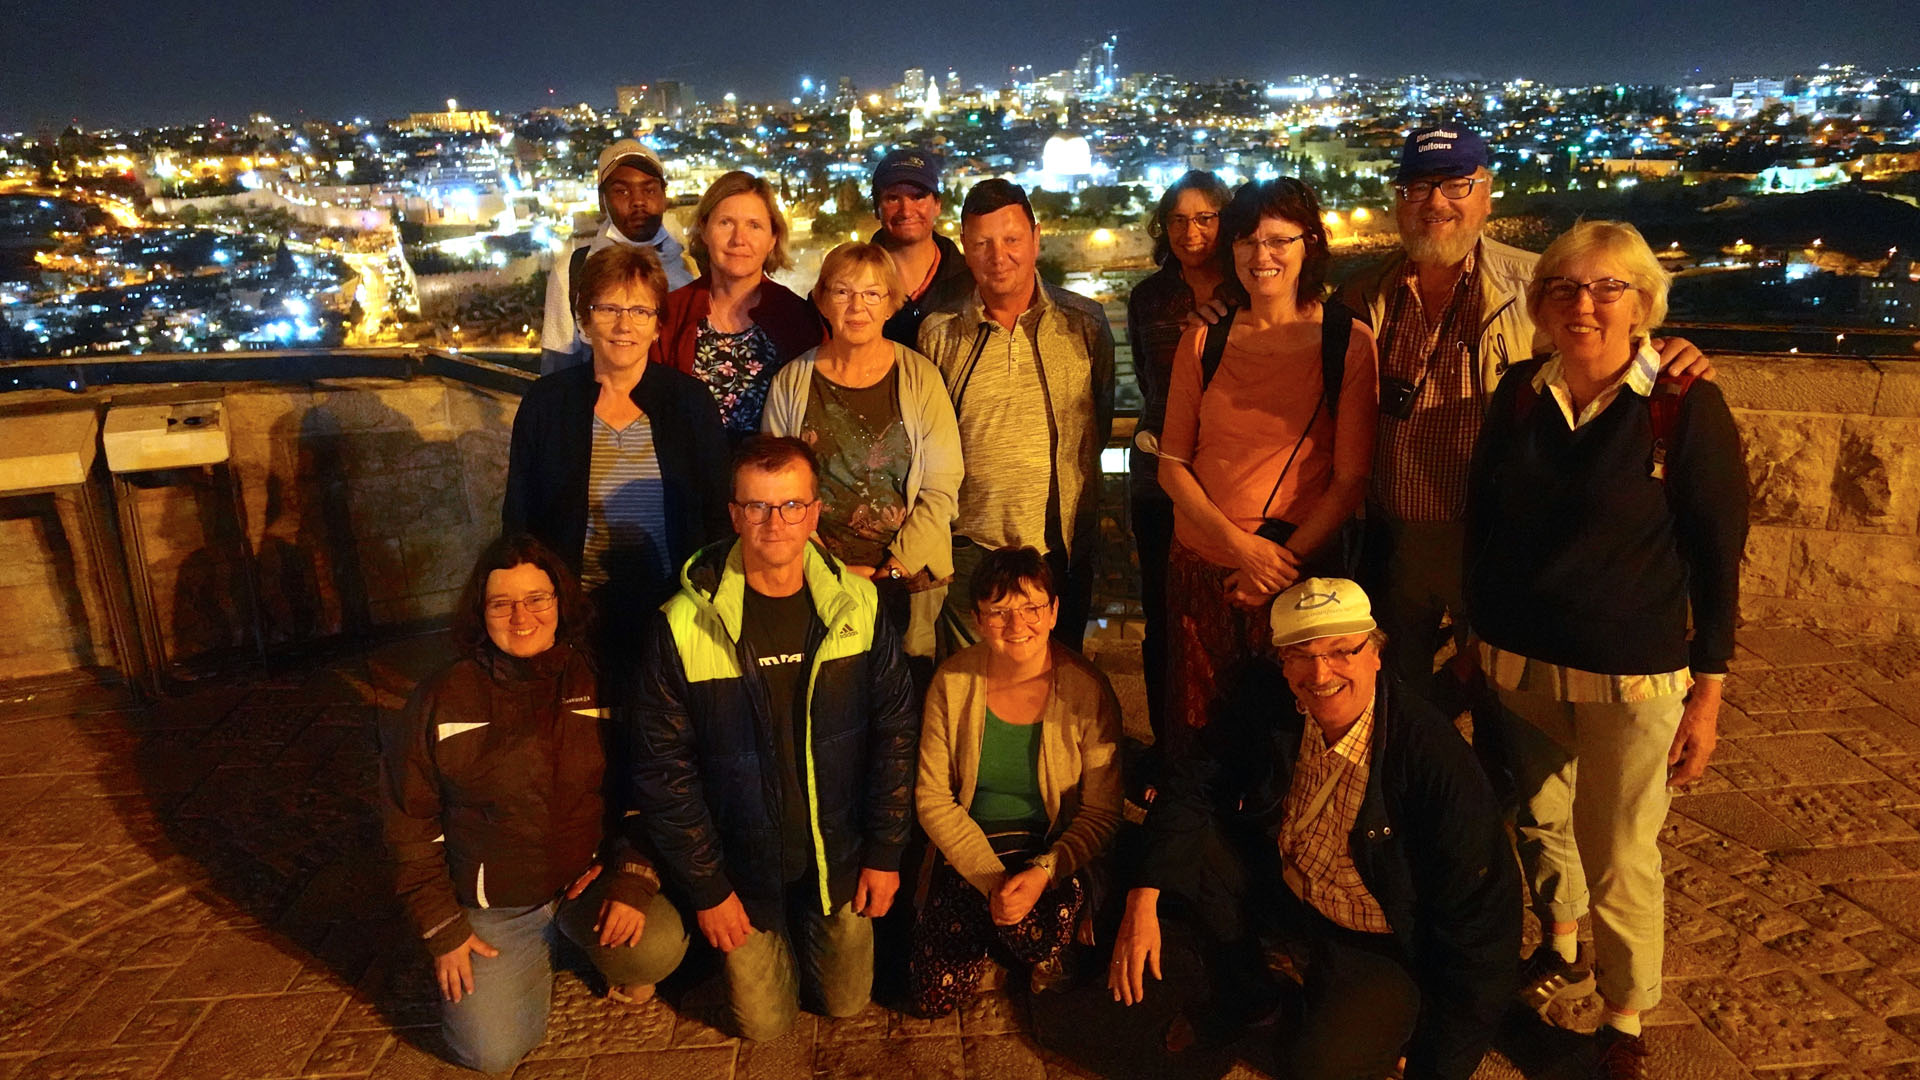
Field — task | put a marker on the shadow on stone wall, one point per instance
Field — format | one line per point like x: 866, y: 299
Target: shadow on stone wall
x: 48, y: 584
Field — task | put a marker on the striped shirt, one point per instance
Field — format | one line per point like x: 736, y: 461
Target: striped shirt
x: 626, y: 509
x: 1513, y: 671
x: 1006, y: 442
x: 1420, y: 467
x: 1315, y: 849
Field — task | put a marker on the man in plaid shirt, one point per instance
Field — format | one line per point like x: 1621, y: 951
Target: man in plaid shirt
x: 1449, y: 311
x: 1358, y: 823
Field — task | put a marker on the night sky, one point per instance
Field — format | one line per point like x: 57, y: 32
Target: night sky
x: 118, y: 62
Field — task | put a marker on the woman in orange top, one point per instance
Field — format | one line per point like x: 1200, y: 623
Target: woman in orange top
x: 1260, y: 444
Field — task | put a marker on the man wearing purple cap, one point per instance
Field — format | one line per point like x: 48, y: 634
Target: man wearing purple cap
x: 1450, y: 314
x: 633, y: 201
x: 906, y: 199
x: 1330, y: 803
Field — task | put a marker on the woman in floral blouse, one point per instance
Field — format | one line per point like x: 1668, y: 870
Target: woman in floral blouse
x: 734, y: 327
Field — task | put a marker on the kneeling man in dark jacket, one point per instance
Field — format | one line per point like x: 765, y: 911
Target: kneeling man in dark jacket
x: 775, y: 744
x: 1359, y: 820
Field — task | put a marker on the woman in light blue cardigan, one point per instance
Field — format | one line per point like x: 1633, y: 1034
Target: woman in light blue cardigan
x: 878, y: 416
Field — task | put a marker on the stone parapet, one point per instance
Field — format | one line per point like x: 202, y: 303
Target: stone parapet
x: 365, y: 500
x: 1833, y: 456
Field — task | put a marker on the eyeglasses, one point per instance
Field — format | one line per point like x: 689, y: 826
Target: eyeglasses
x: 791, y: 511
x: 535, y: 603
x: 1002, y: 617
x: 842, y: 295
x: 1336, y: 657
x: 1453, y: 187
x: 1604, y: 290
x: 611, y: 314
x: 1187, y: 221
x: 1275, y: 246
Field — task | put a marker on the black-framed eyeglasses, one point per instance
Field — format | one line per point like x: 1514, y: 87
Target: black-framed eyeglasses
x: 1275, y: 246
x: 791, y: 511
x: 611, y: 314
x: 1184, y: 221
x: 1454, y: 188
x: 1336, y: 657
x: 1002, y: 617
x: 1604, y: 290
x: 502, y: 608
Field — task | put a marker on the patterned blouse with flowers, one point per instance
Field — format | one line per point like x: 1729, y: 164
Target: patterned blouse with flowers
x: 738, y: 368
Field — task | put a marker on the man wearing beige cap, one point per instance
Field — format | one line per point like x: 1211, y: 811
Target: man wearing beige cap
x: 1332, y: 805
x: 633, y: 201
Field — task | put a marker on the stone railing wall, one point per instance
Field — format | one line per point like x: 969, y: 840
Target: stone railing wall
x: 366, y: 502
x: 1833, y: 455
x: 367, y: 499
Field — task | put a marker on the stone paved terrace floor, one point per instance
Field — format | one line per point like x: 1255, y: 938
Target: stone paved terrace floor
x: 192, y: 891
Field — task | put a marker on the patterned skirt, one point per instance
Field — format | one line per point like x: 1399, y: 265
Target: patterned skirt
x: 1211, y: 638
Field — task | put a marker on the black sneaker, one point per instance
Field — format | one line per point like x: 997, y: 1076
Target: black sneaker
x: 1545, y: 978
x: 1622, y: 1056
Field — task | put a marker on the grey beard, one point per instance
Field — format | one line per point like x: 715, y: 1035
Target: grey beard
x: 1431, y: 252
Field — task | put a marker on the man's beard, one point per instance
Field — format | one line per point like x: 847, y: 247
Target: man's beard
x: 1429, y: 250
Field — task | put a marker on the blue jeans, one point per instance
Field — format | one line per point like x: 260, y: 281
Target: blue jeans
x: 492, y: 1028
x: 836, y: 954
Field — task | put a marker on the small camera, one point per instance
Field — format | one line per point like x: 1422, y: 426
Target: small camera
x: 1396, y: 397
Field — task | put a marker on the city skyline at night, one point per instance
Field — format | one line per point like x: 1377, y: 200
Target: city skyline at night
x: 126, y: 66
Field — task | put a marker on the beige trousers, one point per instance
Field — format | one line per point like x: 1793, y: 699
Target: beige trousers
x: 1592, y: 778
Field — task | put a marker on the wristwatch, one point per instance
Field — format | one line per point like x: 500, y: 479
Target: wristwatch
x: 1045, y: 862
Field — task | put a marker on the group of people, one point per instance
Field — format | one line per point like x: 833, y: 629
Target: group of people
x: 790, y: 593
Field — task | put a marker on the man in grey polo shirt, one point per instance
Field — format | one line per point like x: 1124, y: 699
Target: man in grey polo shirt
x: 1030, y: 368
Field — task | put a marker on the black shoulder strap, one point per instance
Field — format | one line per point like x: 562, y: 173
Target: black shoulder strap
x: 575, y: 266
x: 1214, y: 348
x: 1336, y: 327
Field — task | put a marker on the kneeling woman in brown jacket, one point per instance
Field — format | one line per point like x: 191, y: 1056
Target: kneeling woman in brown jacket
x: 501, y: 820
x: 1019, y: 789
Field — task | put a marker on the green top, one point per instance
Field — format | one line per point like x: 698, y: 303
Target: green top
x: 1007, y: 790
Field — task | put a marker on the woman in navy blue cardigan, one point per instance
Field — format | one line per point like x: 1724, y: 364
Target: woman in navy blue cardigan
x: 619, y: 465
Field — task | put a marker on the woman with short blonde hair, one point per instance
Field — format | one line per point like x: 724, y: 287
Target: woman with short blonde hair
x: 878, y: 415
x: 1606, y: 509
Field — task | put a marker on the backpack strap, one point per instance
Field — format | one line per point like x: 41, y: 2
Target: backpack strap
x: 1336, y: 328
x: 1214, y: 348
x: 1664, y: 406
x: 1525, y: 397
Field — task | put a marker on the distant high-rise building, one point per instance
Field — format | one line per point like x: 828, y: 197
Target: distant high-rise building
x: 845, y: 94
x: 913, y: 85
x: 1759, y: 88
x: 1109, y: 75
x: 666, y: 98
x: 952, y: 88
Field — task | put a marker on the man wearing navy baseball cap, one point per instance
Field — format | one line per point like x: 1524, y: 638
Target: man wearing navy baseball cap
x: 1449, y: 312
x: 906, y: 199
x: 1358, y: 819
